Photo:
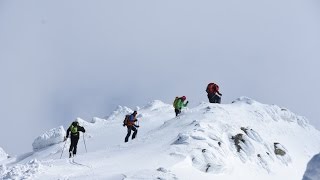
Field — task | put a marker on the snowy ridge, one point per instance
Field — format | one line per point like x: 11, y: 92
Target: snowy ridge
x: 242, y: 140
x: 119, y: 112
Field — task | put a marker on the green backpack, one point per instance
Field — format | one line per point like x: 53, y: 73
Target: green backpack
x: 175, y: 102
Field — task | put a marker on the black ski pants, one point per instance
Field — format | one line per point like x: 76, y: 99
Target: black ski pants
x: 177, y: 111
x: 135, y: 131
x: 213, y: 98
x: 73, y: 145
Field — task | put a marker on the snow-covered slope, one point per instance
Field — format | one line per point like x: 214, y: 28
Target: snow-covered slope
x: 210, y: 141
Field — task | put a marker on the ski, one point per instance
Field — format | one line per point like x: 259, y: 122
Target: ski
x: 71, y: 161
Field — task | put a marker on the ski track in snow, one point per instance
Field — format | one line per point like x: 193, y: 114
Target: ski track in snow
x: 197, y: 144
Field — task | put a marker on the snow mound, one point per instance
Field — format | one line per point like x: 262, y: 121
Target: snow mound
x: 155, y: 105
x: 96, y: 119
x: 244, y: 99
x: 19, y: 171
x: 119, y: 113
x: 313, y: 169
x: 51, y: 137
x: 3, y: 154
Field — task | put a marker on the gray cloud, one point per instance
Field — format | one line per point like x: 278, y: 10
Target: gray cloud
x: 60, y: 60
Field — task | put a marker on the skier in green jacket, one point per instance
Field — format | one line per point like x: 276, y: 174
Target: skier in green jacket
x: 178, y: 104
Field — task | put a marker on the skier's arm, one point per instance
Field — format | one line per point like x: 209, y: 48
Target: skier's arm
x: 135, y: 124
x: 185, y: 105
x: 81, y: 129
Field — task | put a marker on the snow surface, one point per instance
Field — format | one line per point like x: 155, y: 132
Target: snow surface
x: 313, y: 169
x: 197, y: 144
x: 3, y: 154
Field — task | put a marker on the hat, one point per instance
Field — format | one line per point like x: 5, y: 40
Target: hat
x: 183, y: 98
x: 75, y: 123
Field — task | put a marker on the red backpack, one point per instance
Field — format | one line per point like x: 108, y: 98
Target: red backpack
x: 212, y: 88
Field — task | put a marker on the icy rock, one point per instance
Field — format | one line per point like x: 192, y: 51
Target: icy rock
x: 162, y: 170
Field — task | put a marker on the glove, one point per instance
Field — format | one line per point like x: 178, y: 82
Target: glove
x: 187, y: 102
x: 137, y: 126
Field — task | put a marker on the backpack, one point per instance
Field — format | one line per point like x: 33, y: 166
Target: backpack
x: 212, y: 88
x: 126, y: 119
x: 175, y: 102
x: 74, y: 129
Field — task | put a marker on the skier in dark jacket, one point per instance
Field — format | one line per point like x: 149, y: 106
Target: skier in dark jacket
x: 214, y: 95
x: 74, y: 136
x: 131, y: 126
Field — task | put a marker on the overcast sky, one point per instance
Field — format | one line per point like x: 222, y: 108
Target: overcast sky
x: 78, y: 58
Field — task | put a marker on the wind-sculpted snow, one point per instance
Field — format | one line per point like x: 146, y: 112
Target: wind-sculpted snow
x: 313, y: 169
x: 119, y: 113
x: 156, y: 105
x: 51, y: 137
x: 241, y: 140
x: 3, y: 154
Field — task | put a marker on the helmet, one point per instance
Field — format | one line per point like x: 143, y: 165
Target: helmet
x: 183, y: 98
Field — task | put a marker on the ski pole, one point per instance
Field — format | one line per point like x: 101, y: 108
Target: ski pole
x: 63, y: 149
x: 84, y: 141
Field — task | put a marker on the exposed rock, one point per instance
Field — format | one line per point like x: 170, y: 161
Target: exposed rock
x: 237, y: 139
x: 279, y: 150
x: 244, y: 130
